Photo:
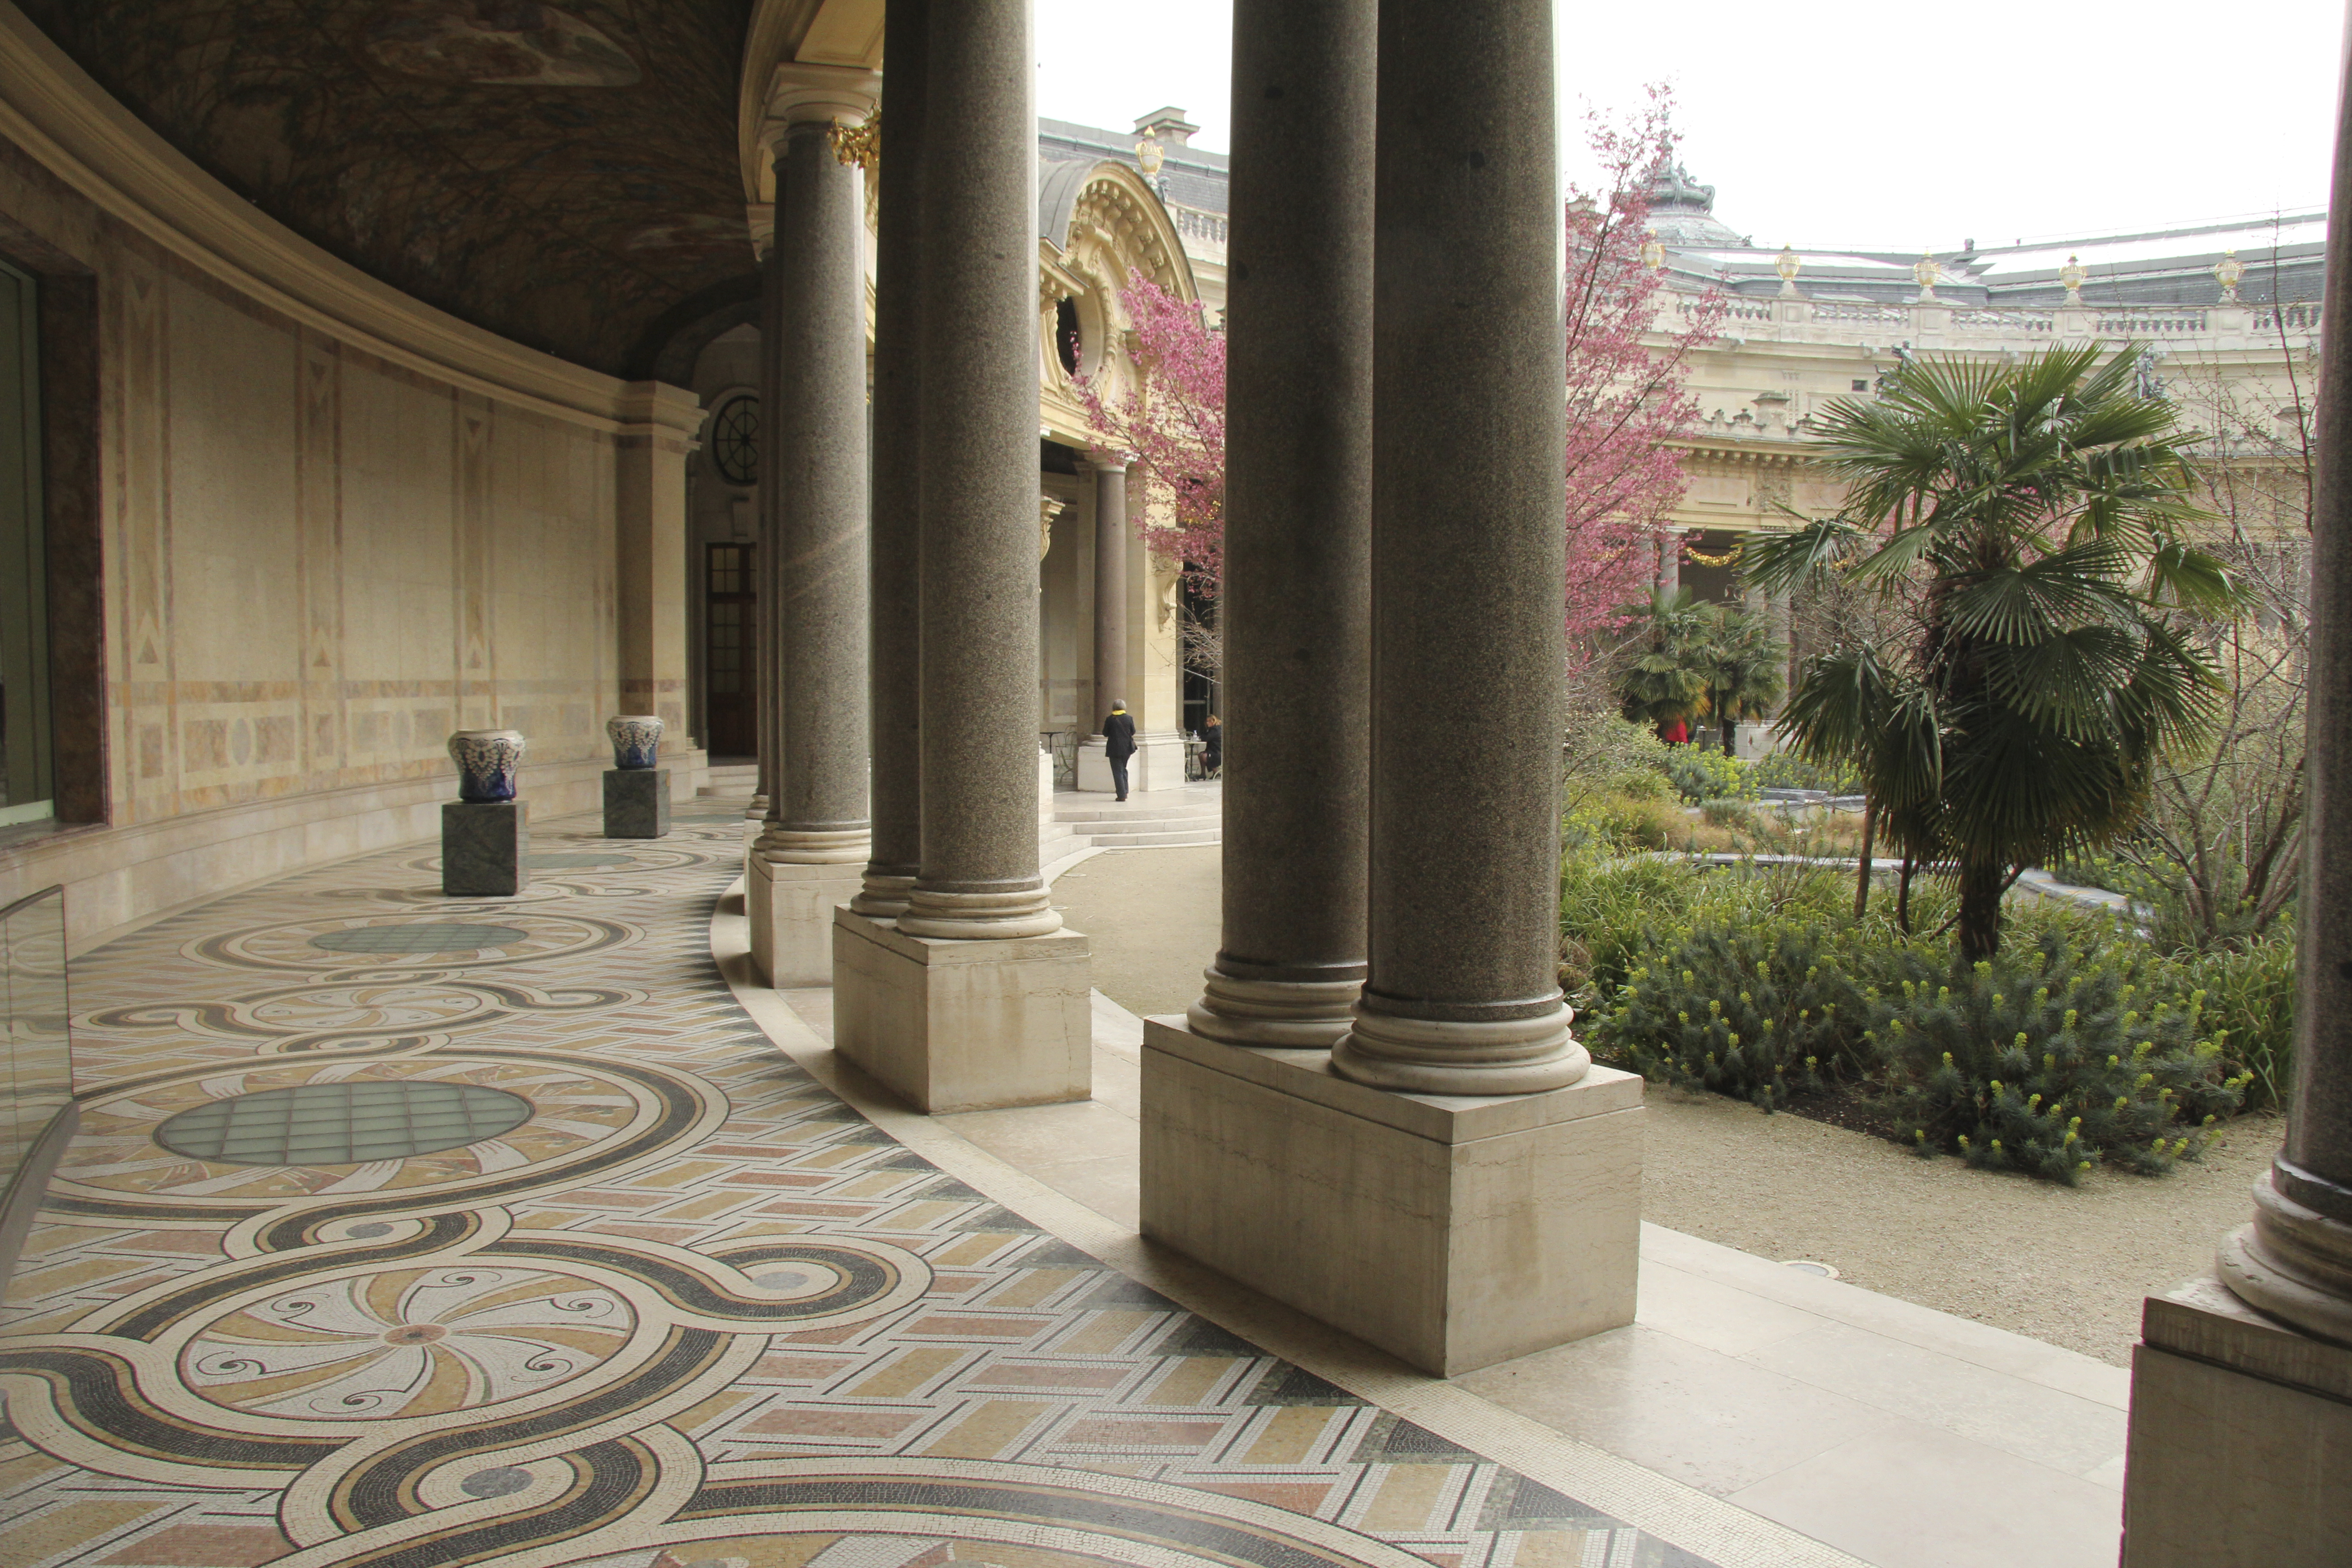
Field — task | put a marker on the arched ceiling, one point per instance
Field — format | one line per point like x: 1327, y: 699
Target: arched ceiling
x: 567, y: 176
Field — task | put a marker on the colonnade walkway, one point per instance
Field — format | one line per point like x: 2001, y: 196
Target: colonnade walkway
x: 409, y: 1230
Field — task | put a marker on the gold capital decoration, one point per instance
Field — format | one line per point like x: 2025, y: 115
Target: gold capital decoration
x: 858, y: 145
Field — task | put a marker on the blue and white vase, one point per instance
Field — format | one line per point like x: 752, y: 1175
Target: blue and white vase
x: 487, y: 761
x: 636, y: 740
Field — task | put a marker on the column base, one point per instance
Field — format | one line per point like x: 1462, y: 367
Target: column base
x: 1298, y: 1014
x: 789, y: 908
x: 964, y: 1026
x: 2241, y: 1439
x: 1452, y: 1232
x: 1158, y: 763
x: 484, y: 848
x: 636, y: 803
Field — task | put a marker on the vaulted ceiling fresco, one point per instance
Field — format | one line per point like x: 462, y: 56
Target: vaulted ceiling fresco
x: 564, y: 175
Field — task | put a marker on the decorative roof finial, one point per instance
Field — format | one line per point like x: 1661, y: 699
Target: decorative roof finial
x: 2073, y: 274
x: 2227, y: 272
x: 1928, y: 271
x: 1787, y: 265
x: 1150, y: 155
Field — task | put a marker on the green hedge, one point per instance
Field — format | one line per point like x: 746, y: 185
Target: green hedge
x: 2077, y: 1045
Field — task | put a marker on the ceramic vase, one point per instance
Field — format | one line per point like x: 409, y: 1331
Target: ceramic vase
x: 487, y: 761
x: 636, y: 740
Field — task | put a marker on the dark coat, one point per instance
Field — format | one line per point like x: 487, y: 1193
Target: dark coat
x: 1213, y: 738
x: 1119, y: 735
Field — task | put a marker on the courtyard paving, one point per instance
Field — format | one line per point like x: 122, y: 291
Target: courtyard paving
x: 406, y: 1231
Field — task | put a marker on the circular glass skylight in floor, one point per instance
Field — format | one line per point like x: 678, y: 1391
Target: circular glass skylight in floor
x: 343, y: 1124
x: 432, y: 936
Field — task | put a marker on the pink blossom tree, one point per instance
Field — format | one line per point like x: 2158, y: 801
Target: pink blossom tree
x: 1170, y: 424
x: 1627, y: 398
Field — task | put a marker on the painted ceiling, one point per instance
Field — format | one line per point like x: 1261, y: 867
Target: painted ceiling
x: 566, y: 177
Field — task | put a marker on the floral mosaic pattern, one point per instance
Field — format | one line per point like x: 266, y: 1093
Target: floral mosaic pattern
x: 407, y: 1341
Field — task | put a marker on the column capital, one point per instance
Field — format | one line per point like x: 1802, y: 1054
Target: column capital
x: 803, y: 94
x: 1094, y: 465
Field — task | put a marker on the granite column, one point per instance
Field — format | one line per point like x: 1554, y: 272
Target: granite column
x: 895, y: 641
x: 2240, y: 1447
x: 1110, y: 586
x: 1469, y: 555
x: 809, y: 853
x: 974, y: 997
x: 1494, y: 1208
x: 764, y: 550
x: 1114, y: 544
x: 978, y: 460
x: 1295, y: 605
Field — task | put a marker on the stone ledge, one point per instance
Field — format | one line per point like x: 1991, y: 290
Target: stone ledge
x: 939, y: 951
x: 2205, y: 1318
x: 1441, y: 1118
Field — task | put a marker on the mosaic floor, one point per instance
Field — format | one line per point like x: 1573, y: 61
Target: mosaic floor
x: 406, y: 1231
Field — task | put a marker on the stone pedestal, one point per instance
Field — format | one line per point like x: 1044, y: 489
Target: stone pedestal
x: 2241, y: 1452
x: 1158, y: 763
x: 789, y: 908
x: 484, y: 845
x: 1451, y: 1231
x: 636, y: 803
x: 964, y: 1024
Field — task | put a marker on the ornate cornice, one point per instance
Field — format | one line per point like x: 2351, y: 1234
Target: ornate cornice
x: 70, y: 125
x: 1780, y: 454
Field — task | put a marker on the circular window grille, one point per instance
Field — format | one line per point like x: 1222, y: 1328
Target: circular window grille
x: 343, y: 1124
x: 735, y: 440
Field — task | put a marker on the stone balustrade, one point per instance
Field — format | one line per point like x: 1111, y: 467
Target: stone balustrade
x: 1936, y: 325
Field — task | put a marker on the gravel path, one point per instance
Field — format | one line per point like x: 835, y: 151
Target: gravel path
x: 2068, y: 1266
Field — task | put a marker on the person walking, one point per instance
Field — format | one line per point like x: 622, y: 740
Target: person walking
x: 1119, y: 744
x: 1213, y: 744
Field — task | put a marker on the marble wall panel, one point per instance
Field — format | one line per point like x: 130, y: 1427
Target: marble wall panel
x: 324, y: 563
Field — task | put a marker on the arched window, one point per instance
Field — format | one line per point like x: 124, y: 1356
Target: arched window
x: 1069, y: 340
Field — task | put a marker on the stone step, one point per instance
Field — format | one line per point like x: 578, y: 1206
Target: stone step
x: 1160, y: 840
x: 1171, y: 812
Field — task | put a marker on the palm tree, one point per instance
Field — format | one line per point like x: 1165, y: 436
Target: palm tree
x: 1667, y: 679
x: 2030, y: 521
x: 1745, y: 669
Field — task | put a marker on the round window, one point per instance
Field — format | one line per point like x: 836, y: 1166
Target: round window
x: 735, y: 440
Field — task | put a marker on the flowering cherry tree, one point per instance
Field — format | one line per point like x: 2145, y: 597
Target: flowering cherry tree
x: 1170, y: 424
x: 1627, y: 398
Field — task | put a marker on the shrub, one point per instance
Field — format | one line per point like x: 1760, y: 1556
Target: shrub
x: 2075, y: 1044
x: 2049, y: 1057
x: 1642, y: 783
x: 1702, y: 773
x: 2248, y: 1007
x: 1747, y: 1013
x: 1786, y: 770
x: 1724, y: 813
x: 1607, y: 914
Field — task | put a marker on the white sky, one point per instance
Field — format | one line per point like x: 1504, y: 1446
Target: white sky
x: 1856, y: 122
